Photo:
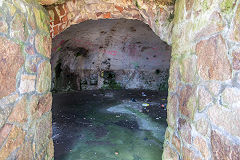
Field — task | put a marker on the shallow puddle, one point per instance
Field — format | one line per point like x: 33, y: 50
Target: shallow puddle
x: 109, y: 125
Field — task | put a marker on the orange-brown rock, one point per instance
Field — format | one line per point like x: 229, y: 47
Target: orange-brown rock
x: 213, y: 63
x: 189, y: 154
x: 187, y: 101
x: 26, y: 151
x: 19, y: 113
x: 18, y: 28
x: 169, y: 154
x: 222, y: 148
x: 172, y: 109
x: 44, y: 104
x: 204, y: 98
x: 201, y: 145
x: 226, y: 119
x: 43, y: 133
x: 185, y: 130
x: 4, y: 131
x: 215, y: 25
x: 236, y: 60
x: 176, y: 142
x: 11, y: 61
x: 14, y: 140
x: 44, y: 77
x: 202, y: 126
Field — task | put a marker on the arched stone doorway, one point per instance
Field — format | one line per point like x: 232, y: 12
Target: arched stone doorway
x: 61, y: 13
x: 203, y: 108
x: 102, y: 73
x: 157, y: 15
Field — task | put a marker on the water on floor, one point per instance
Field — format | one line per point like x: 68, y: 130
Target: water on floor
x: 109, y: 125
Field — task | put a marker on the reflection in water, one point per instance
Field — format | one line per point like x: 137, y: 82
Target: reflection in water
x: 109, y: 125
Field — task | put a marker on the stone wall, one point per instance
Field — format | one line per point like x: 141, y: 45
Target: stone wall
x: 25, y: 71
x: 25, y: 74
x: 204, y: 85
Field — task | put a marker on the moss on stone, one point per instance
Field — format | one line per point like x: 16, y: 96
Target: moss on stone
x: 42, y: 20
x: 198, y: 25
x: 12, y: 9
x: 163, y: 86
x: 179, y: 11
x: 26, y: 32
x: 112, y: 85
x: 137, y: 5
x: 31, y: 1
x: 191, y: 105
x: 227, y: 5
x: 171, y: 17
x: 205, y: 5
x: 157, y: 22
x: 181, y: 64
x: 44, y: 77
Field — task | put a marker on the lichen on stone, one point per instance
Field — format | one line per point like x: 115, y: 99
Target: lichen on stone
x: 205, y: 5
x: 227, y: 5
x: 137, y: 5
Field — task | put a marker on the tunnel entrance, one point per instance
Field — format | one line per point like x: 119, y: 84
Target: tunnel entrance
x: 109, y: 84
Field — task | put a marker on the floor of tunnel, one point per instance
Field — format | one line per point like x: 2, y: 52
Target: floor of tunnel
x: 109, y: 125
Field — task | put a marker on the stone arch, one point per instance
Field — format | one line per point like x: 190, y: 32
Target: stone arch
x: 25, y: 75
x: 204, y: 67
x: 157, y: 15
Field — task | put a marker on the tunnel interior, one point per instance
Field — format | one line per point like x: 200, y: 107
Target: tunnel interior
x: 109, y: 85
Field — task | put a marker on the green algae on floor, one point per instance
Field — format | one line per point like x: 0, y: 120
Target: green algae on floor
x: 107, y: 129
x: 128, y: 144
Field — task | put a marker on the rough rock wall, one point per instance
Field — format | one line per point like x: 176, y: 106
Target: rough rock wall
x: 157, y: 14
x: 25, y: 77
x: 204, y: 85
x: 203, y: 108
x: 117, y: 53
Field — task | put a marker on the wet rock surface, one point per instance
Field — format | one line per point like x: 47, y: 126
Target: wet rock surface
x: 109, y: 124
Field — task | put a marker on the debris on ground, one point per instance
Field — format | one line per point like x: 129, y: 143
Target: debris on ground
x: 145, y: 104
x: 133, y: 100
x: 143, y: 94
x: 110, y: 95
